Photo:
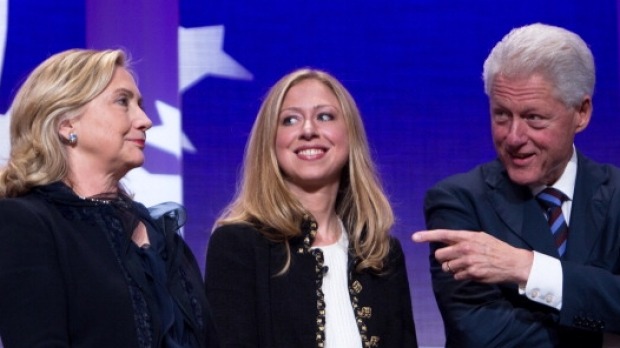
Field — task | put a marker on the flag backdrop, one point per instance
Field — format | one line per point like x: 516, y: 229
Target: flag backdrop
x: 413, y: 66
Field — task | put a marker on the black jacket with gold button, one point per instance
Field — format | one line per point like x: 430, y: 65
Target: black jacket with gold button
x: 254, y: 307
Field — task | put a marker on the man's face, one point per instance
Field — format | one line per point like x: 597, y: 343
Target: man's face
x: 533, y: 131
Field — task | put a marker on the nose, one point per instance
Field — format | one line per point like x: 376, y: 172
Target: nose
x: 143, y: 122
x: 517, y: 132
x: 308, y: 130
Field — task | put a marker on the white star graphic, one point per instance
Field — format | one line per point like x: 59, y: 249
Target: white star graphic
x: 167, y: 136
x: 151, y: 189
x: 201, y: 54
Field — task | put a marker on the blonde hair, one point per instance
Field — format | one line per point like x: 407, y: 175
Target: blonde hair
x: 264, y: 200
x: 54, y: 91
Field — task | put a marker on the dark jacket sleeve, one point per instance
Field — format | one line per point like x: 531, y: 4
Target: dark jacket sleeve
x: 401, y: 328
x: 476, y: 314
x: 231, y: 286
x: 33, y: 302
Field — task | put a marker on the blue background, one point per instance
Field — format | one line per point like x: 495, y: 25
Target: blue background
x: 413, y: 66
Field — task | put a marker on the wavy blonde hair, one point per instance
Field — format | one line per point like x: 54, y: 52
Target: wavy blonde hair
x: 264, y: 200
x: 54, y: 91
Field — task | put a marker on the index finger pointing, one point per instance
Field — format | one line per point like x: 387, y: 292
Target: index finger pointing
x: 442, y: 236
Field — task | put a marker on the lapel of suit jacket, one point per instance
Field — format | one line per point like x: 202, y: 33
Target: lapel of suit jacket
x: 590, y: 207
x: 519, y: 211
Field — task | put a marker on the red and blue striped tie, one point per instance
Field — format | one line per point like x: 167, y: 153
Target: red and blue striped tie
x: 551, y: 199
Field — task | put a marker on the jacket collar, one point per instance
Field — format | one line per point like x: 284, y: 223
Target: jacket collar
x: 517, y: 207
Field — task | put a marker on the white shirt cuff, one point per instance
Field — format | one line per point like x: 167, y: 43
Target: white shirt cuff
x: 544, y: 284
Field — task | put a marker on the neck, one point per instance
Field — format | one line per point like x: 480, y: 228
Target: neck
x: 86, y: 186
x: 322, y: 205
x: 88, y: 177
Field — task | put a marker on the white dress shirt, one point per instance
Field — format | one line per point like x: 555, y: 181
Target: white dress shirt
x: 544, y: 284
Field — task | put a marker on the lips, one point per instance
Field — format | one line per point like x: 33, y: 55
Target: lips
x: 139, y: 142
x: 521, y: 159
x: 520, y: 156
x: 311, y: 152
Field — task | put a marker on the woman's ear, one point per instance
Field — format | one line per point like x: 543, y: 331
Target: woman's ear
x: 65, y: 129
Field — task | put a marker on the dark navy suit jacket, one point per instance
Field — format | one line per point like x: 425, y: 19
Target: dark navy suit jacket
x: 481, y: 315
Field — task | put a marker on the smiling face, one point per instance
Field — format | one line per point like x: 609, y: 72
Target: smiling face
x: 312, y: 144
x: 112, y: 128
x: 533, y: 130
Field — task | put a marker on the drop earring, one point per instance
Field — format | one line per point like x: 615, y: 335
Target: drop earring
x: 72, y: 138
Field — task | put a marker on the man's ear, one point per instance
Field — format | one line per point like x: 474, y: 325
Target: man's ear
x: 584, y: 112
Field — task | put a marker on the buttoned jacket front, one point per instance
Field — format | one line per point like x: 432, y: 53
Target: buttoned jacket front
x: 254, y: 307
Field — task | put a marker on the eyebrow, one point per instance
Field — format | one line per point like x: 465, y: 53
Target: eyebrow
x: 314, y: 108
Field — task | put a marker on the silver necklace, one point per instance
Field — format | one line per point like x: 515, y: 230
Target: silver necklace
x: 96, y: 200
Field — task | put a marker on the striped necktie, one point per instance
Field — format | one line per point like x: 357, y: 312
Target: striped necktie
x: 551, y: 200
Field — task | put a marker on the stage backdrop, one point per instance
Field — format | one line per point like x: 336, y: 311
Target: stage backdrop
x: 414, y: 67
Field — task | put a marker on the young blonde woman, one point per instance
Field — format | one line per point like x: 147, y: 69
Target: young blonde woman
x: 302, y: 257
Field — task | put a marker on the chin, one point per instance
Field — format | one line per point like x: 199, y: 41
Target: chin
x: 133, y: 165
x: 525, y: 179
x: 136, y: 162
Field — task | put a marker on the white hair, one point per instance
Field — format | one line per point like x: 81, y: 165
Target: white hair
x: 557, y: 54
